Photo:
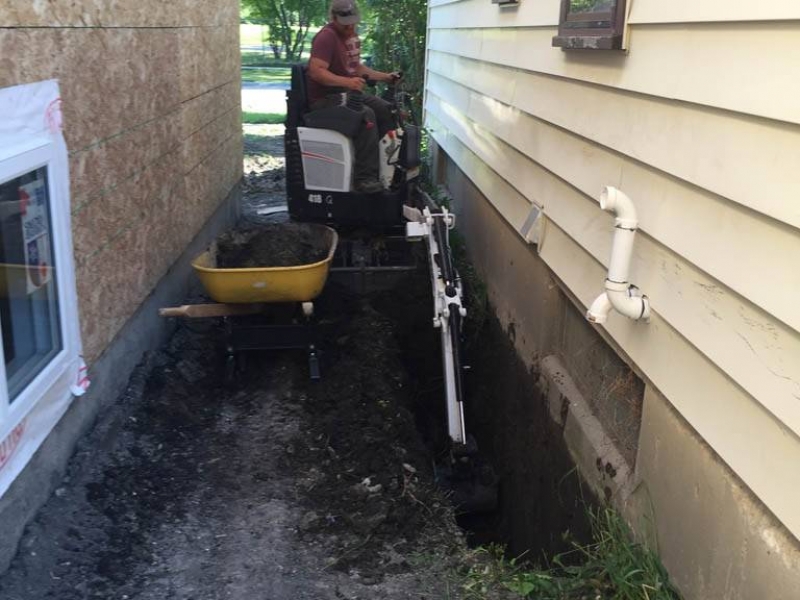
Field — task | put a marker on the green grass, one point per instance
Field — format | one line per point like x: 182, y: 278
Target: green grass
x: 257, y: 118
x: 611, y: 567
x: 264, y: 59
x: 266, y: 75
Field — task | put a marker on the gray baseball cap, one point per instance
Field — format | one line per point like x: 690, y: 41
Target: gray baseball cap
x: 345, y: 12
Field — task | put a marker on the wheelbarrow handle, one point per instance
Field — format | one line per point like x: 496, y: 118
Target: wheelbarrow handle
x: 199, y: 311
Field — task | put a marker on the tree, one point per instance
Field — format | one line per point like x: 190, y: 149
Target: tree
x: 396, y: 37
x: 288, y: 22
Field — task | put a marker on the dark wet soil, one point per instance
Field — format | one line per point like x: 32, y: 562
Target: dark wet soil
x: 541, y: 498
x: 369, y: 472
x: 272, y: 487
x: 274, y: 245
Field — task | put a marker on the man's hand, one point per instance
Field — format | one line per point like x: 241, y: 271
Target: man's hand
x: 392, y: 77
x: 355, y: 84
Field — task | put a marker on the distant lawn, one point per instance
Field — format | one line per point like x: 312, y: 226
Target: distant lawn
x: 266, y: 75
x: 265, y: 59
x: 257, y: 118
x: 252, y: 35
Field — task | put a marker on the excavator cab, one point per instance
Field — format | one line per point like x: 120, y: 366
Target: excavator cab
x: 319, y: 161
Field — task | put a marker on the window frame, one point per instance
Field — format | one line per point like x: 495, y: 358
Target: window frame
x: 603, y: 30
x: 53, y: 382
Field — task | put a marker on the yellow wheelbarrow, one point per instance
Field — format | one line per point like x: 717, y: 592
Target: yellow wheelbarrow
x: 298, y: 283
x: 248, y: 291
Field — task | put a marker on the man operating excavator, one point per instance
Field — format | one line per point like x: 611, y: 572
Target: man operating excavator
x: 335, y: 66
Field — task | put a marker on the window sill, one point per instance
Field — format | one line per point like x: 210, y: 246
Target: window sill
x: 588, y: 42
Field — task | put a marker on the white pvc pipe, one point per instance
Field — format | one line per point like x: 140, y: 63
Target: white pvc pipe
x: 621, y: 252
x: 619, y: 294
x: 624, y: 302
x: 617, y: 202
x: 598, y: 311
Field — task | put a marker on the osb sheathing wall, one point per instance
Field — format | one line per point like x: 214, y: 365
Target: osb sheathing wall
x: 151, y: 103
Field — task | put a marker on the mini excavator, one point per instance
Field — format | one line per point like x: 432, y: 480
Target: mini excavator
x: 319, y: 171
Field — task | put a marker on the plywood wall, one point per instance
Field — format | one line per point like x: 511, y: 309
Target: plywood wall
x: 699, y: 124
x: 151, y: 103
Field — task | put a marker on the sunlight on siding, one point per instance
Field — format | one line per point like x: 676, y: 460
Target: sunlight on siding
x: 483, y: 142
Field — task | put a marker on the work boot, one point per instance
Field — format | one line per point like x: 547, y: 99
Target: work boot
x: 369, y: 186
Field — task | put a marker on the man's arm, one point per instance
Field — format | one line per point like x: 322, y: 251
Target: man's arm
x: 376, y: 75
x: 319, y: 71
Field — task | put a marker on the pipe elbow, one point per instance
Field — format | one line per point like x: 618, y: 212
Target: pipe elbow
x: 617, y: 202
x: 619, y: 294
x: 598, y: 311
x: 626, y: 301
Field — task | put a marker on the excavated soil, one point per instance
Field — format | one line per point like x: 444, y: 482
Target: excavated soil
x: 274, y: 487
x: 273, y: 245
x: 270, y: 487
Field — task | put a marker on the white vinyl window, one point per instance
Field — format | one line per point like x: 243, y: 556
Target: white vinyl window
x: 38, y: 313
x: 40, y: 364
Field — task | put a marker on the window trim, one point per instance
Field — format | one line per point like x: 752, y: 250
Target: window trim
x: 53, y: 382
x: 591, y: 31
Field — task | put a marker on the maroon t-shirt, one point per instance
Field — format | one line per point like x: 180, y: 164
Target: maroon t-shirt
x: 343, y: 57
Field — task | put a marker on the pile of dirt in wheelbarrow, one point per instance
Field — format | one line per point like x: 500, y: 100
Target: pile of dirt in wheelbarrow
x: 273, y: 245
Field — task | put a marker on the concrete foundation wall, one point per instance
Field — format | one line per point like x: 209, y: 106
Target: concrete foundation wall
x: 151, y: 106
x: 715, y: 538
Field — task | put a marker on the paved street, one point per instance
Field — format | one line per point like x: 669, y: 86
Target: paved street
x: 264, y: 97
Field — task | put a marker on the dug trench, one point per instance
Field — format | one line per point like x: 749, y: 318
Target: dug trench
x: 278, y: 487
x: 541, y: 503
x: 274, y: 486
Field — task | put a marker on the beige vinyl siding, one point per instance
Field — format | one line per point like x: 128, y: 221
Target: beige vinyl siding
x: 721, y: 323
x: 738, y: 70
x: 751, y: 238
x: 535, y: 13
x: 692, y: 11
x: 728, y: 418
x: 709, y: 152
x: 733, y: 155
x: 442, y: 2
